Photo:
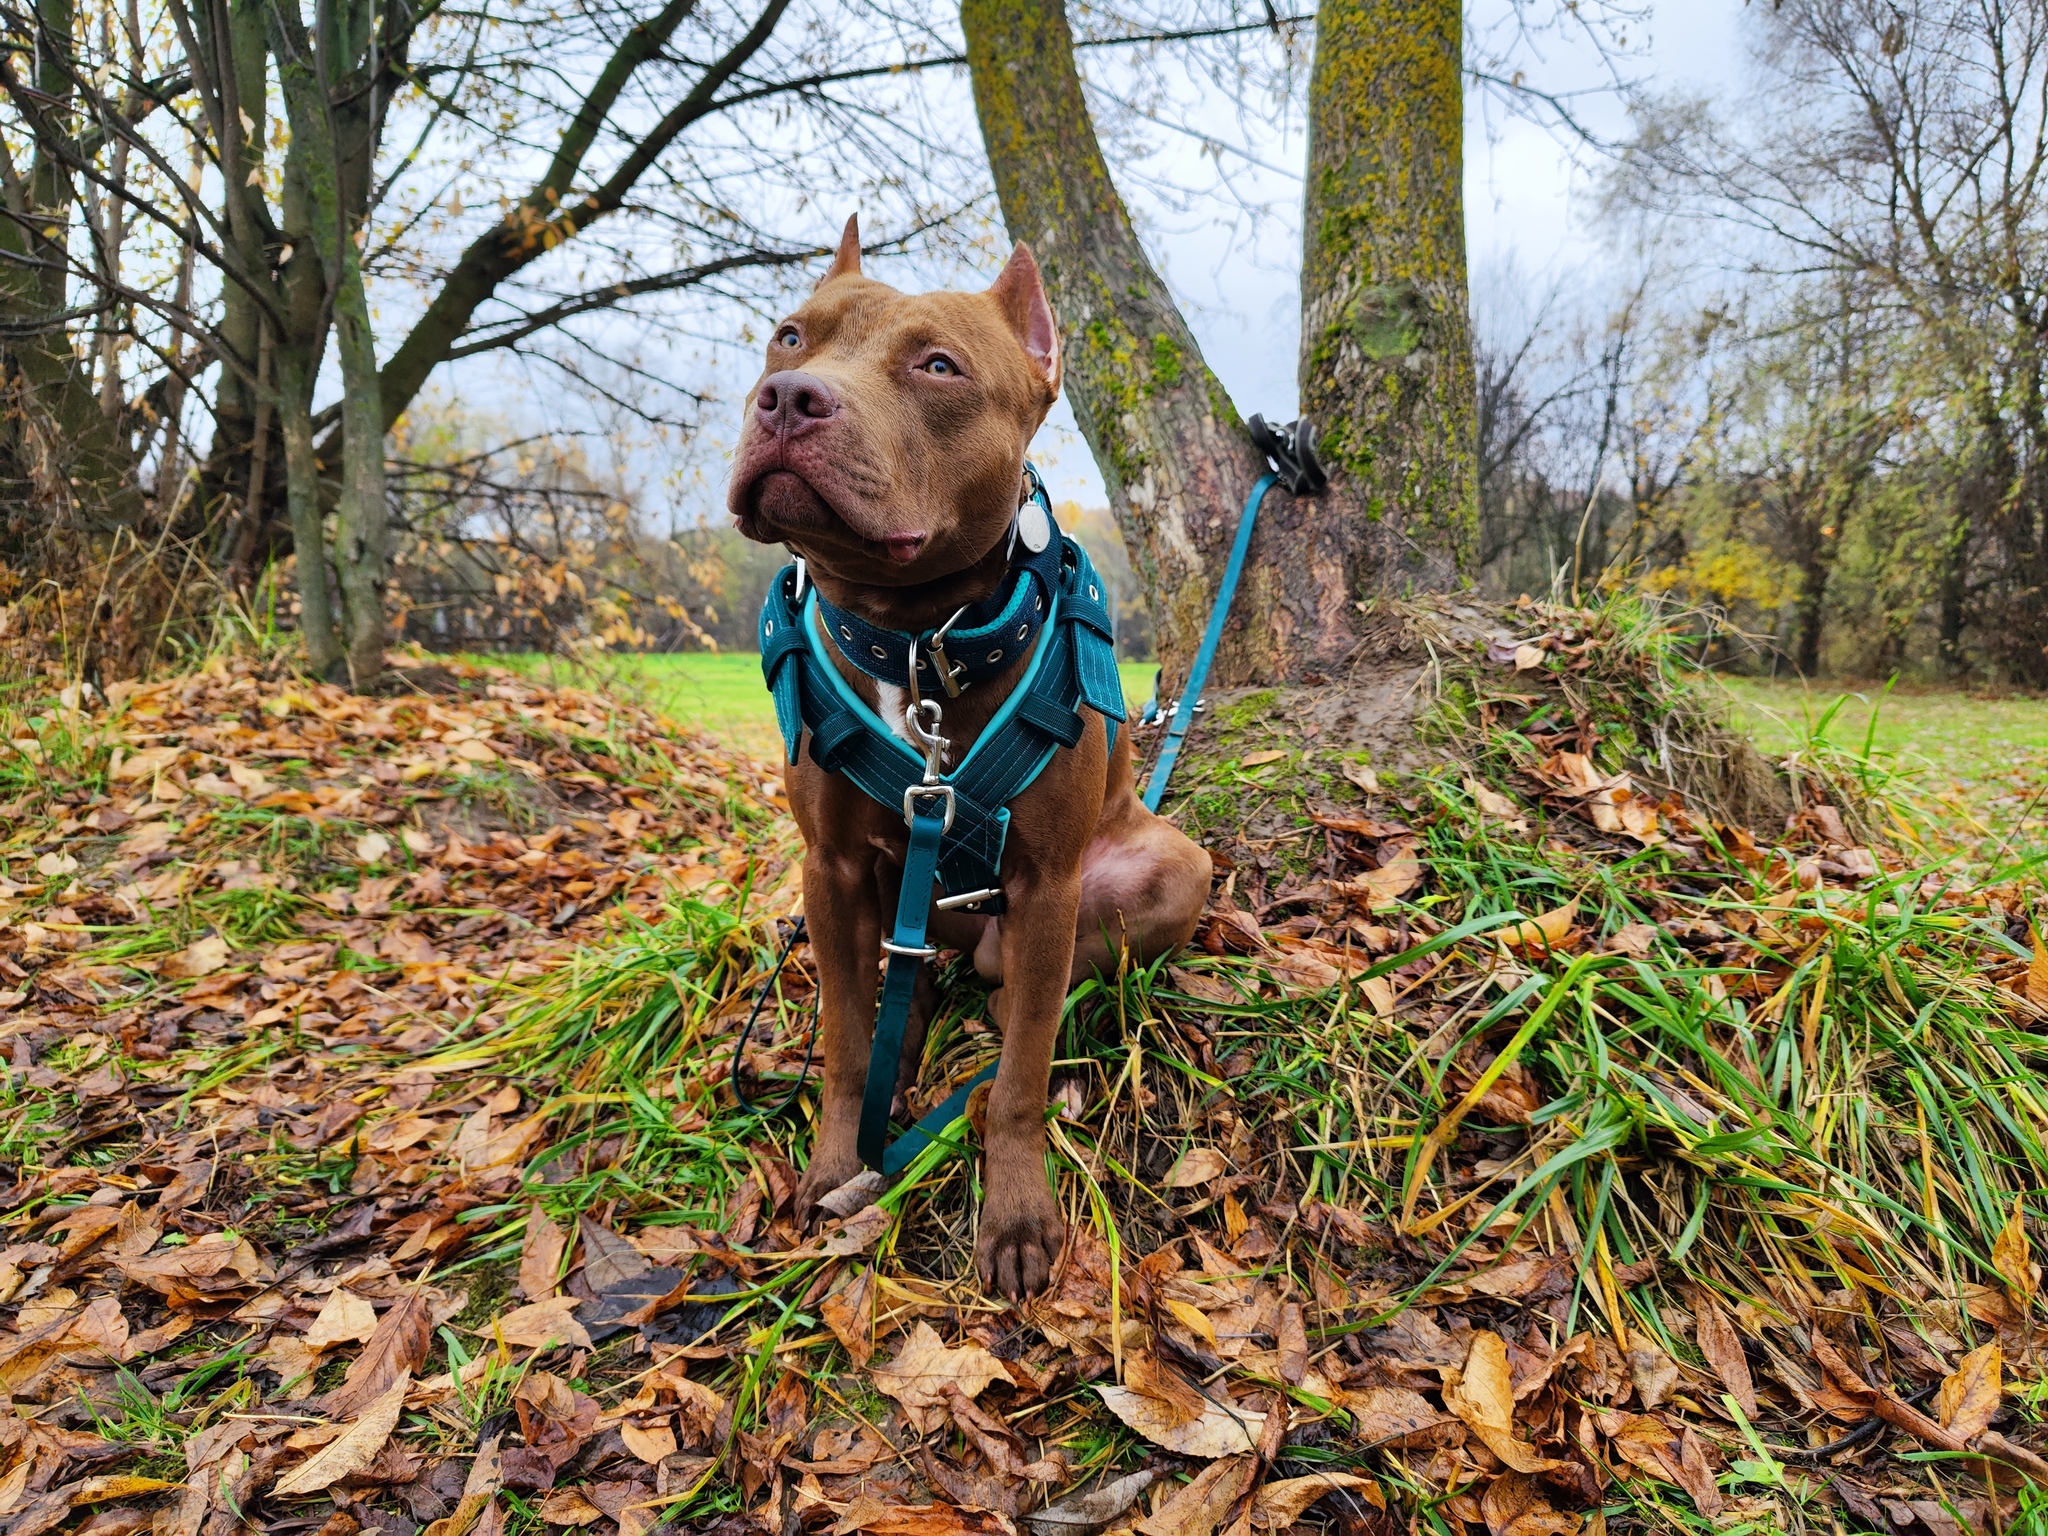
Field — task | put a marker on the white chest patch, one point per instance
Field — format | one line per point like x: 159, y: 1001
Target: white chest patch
x: 890, y: 703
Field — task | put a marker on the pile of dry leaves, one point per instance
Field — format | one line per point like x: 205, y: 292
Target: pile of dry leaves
x: 1391, y: 1208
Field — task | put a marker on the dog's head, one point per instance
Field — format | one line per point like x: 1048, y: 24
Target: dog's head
x: 885, y: 440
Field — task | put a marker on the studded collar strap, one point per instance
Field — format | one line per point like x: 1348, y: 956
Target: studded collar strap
x: 983, y: 640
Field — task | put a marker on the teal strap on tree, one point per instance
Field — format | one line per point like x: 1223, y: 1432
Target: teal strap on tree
x: 1184, y: 712
x: 931, y: 807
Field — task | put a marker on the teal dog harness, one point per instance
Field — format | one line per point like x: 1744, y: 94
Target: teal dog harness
x: 1051, y: 603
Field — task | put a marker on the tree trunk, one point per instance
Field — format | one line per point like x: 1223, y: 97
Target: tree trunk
x: 1386, y: 337
x: 1172, y: 451
x: 298, y: 365
x: 333, y: 173
x: 1386, y: 345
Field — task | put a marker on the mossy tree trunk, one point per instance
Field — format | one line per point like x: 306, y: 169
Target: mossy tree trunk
x: 1386, y: 336
x: 1386, y: 358
x: 1171, y: 447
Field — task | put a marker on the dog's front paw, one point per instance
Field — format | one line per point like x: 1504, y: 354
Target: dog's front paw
x: 828, y: 1172
x: 1021, y: 1237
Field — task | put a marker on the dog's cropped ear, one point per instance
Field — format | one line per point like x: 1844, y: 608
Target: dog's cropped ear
x: 1020, y: 294
x: 846, y: 260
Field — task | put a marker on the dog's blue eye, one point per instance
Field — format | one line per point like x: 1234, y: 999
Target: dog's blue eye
x: 788, y: 338
x: 942, y: 366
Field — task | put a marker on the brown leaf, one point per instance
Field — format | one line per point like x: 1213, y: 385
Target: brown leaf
x: 650, y: 1442
x: 850, y: 1313
x: 1695, y: 1476
x: 1196, y: 1166
x: 1722, y: 1345
x: 1398, y: 1417
x: 1293, y: 1344
x: 1149, y: 1376
x: 1198, y: 1507
x: 357, y: 1446
x: 540, y: 1256
x: 1970, y: 1394
x: 999, y: 1444
x: 1654, y: 1373
x: 1483, y: 1396
x: 544, y: 1324
x: 1218, y: 1431
x: 924, y: 1365
x: 396, y: 1349
x: 201, y: 958
x: 345, y: 1318
x: 1280, y: 1504
x: 2037, y: 973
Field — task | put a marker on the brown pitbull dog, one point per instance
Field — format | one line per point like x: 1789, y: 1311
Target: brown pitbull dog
x: 885, y: 444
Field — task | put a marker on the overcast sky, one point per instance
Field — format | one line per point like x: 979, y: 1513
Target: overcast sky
x: 1526, y: 203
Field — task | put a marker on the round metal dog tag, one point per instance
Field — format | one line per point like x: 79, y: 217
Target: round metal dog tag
x: 1034, y: 528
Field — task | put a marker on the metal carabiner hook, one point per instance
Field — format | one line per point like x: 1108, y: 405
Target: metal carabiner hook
x: 922, y: 720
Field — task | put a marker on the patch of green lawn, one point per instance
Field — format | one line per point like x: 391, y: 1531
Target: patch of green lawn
x: 720, y: 695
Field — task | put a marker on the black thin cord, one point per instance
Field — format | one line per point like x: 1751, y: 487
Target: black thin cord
x: 796, y: 937
x: 1865, y: 1431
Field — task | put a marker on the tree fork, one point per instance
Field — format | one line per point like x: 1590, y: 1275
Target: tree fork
x: 1173, y: 453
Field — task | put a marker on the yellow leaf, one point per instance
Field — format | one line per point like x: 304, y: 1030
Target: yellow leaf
x: 117, y: 1485
x: 2012, y: 1256
x: 1191, y: 1317
x: 2037, y: 973
x: 1260, y: 759
x: 1542, y: 934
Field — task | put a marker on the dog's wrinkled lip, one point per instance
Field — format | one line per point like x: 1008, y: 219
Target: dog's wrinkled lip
x: 782, y: 504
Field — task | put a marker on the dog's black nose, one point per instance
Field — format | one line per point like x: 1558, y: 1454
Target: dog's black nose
x: 789, y: 402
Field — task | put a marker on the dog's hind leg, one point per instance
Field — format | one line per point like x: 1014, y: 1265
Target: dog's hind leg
x: 1143, y: 886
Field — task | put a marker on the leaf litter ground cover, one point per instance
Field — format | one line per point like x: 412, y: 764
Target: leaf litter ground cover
x: 1510, y: 1152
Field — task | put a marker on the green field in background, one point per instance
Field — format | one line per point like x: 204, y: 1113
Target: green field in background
x: 720, y: 695
x: 1986, y: 748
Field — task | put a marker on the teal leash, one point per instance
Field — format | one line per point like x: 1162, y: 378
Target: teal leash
x: 1291, y: 449
x: 1198, y: 674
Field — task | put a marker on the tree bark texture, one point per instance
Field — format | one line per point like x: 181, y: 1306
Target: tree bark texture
x: 1173, y: 453
x: 1386, y: 337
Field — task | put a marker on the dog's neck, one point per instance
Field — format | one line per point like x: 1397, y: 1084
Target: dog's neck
x: 914, y: 609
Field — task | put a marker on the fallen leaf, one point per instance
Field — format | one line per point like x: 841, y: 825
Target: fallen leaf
x: 649, y: 1442
x: 1403, y: 1419
x: 2037, y: 973
x: 201, y: 958
x: 1260, y: 759
x: 345, y: 1318
x: 1198, y: 1507
x: 1722, y: 1346
x: 850, y: 1313
x: 1695, y: 1476
x: 1483, y: 1396
x: 1217, y: 1431
x: 540, y: 1256
x: 395, y: 1350
x: 1529, y: 657
x: 544, y: 1324
x: 371, y: 847
x: 1083, y: 1514
x: 2013, y: 1257
x: 1279, y: 1504
x: 924, y: 1365
x: 1542, y: 934
x: 567, y: 1506
x: 356, y: 1448
x: 1197, y: 1165
x: 1970, y: 1394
